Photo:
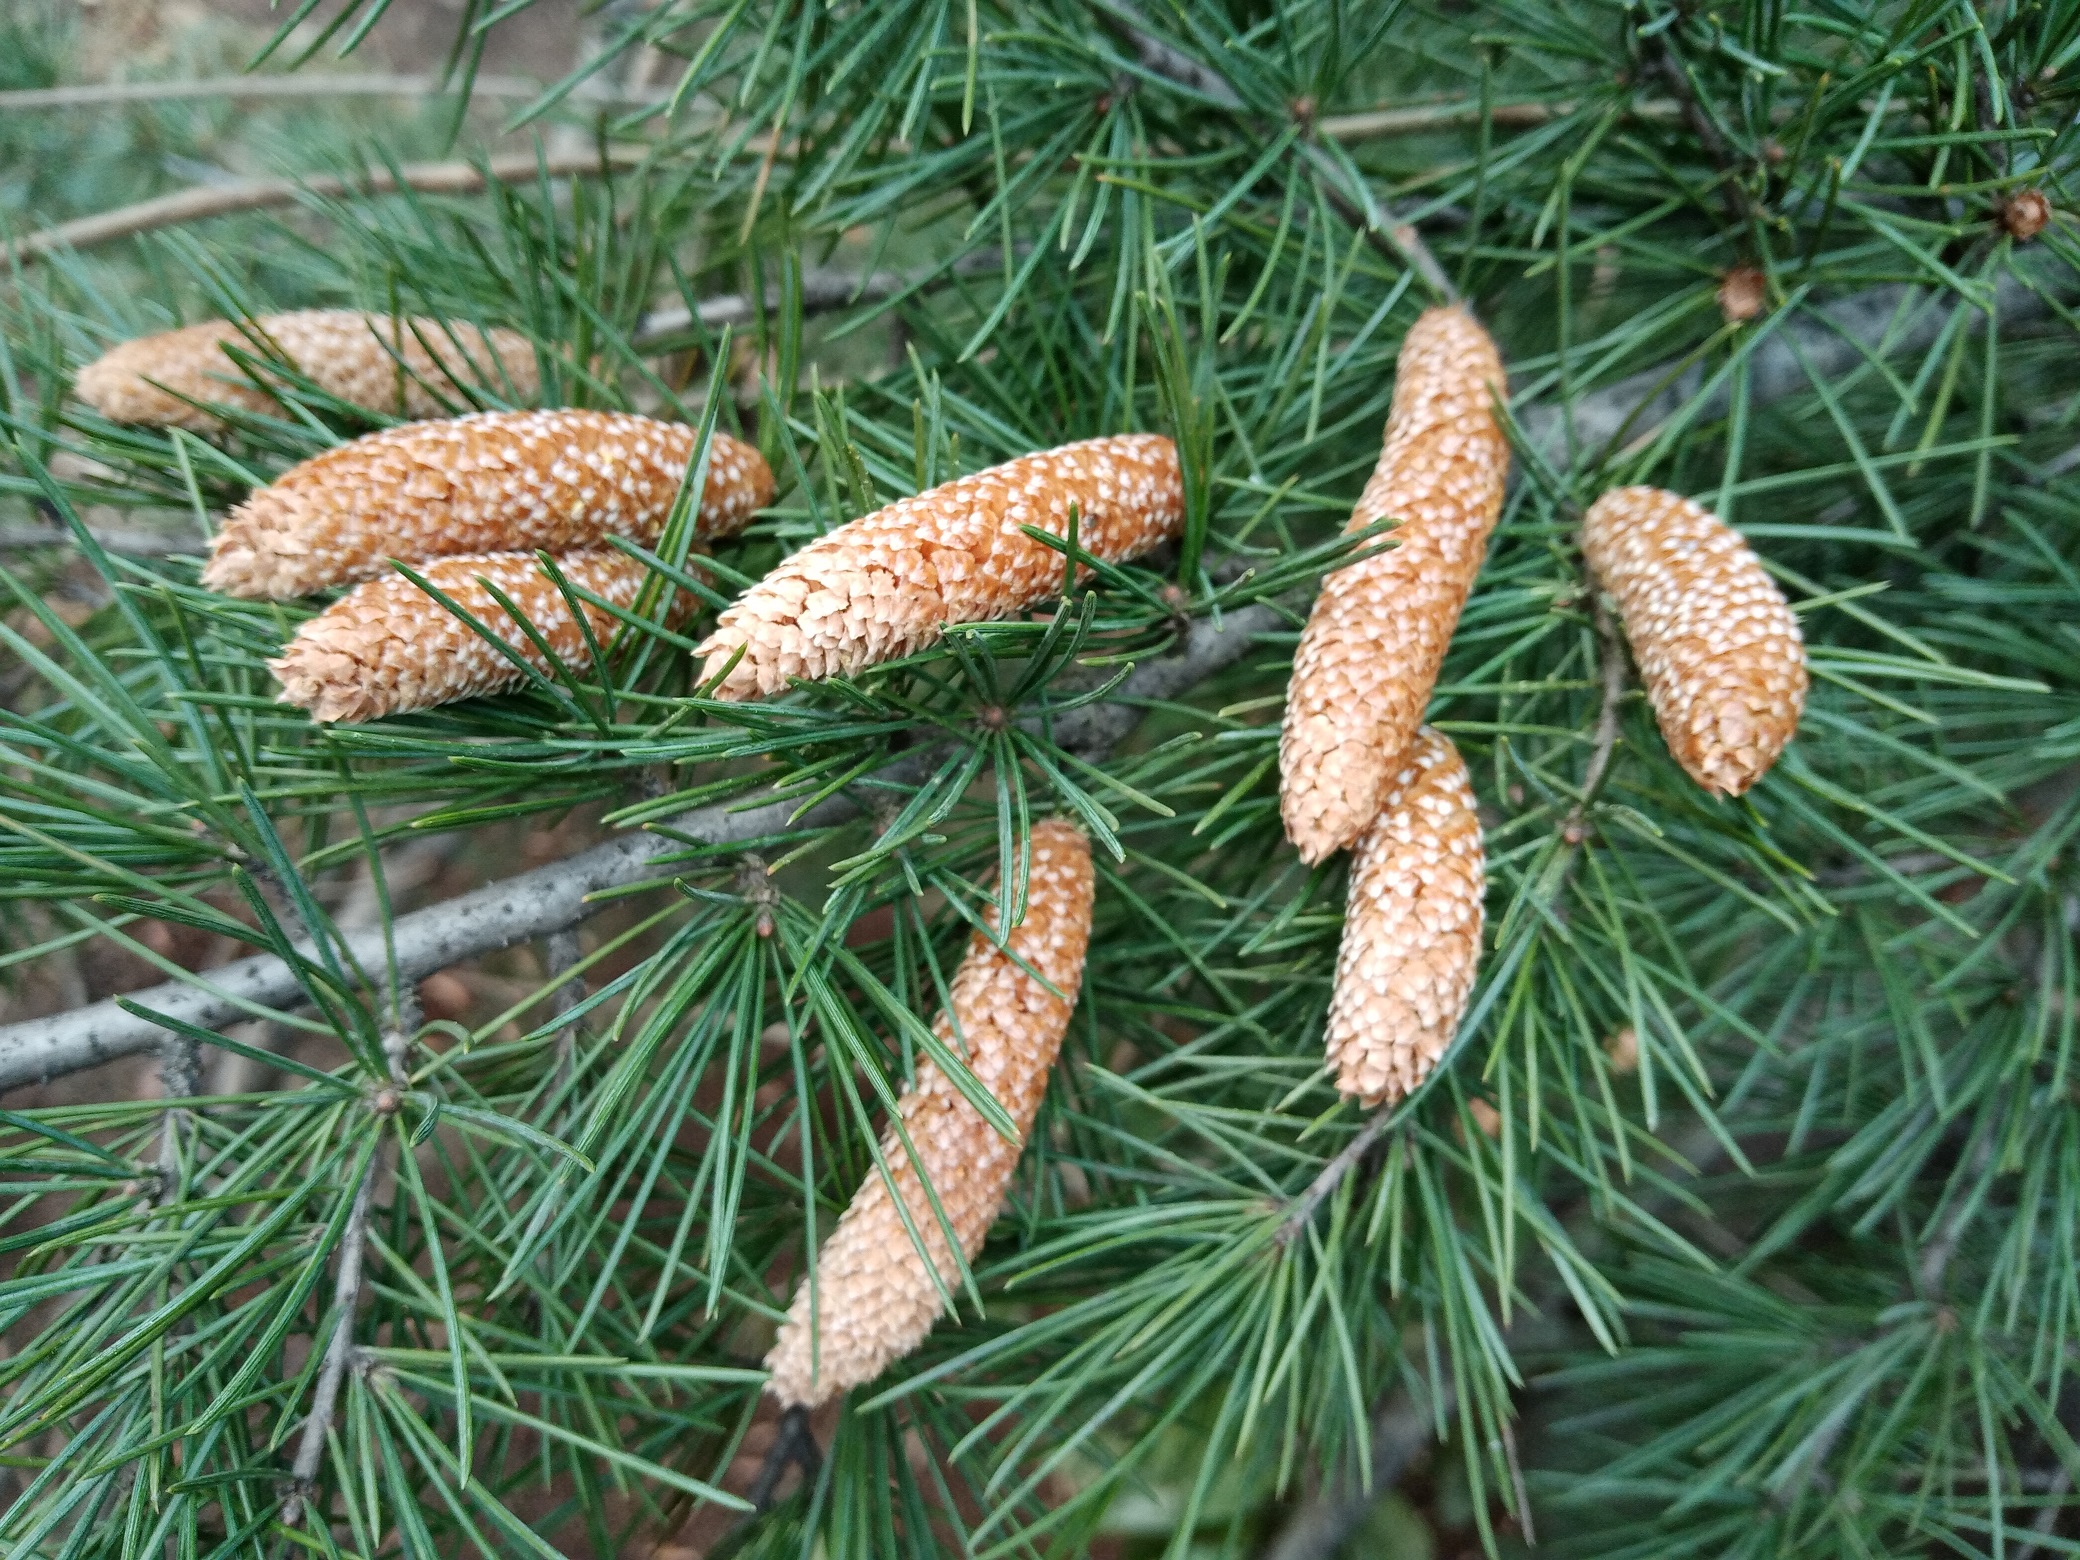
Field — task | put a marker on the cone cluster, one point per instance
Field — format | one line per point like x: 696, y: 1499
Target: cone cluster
x: 873, y: 1297
x: 1715, y: 640
x: 889, y: 583
x: 1371, y: 650
x: 409, y: 368
x: 1356, y: 766
x: 491, y: 482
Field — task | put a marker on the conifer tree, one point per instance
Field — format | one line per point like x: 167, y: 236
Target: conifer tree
x: 1726, y: 1202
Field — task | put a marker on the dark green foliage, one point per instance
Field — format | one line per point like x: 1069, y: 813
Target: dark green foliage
x: 1802, y: 1283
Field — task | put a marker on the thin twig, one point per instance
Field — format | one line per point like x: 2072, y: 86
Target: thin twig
x: 794, y: 1446
x: 1332, y: 1174
x: 339, y: 1352
x: 1740, y: 204
x: 253, y: 89
x: 560, y: 952
x: 1610, y: 654
x: 217, y: 200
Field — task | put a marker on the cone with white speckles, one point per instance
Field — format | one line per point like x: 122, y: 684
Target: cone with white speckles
x: 366, y: 360
x: 387, y: 646
x: 1411, y: 928
x: 1370, y: 653
x: 1715, y: 640
x: 888, y: 584
x: 493, y: 482
x: 873, y: 1299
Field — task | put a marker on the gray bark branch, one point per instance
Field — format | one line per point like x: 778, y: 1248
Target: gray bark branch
x: 548, y: 899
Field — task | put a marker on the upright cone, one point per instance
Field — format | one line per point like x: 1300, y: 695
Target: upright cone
x: 1411, y: 927
x: 367, y: 360
x: 873, y: 1299
x: 888, y: 584
x: 1370, y: 653
x: 1716, y: 643
x: 386, y: 646
x: 494, y: 482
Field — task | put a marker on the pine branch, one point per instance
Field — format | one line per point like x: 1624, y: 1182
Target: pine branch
x: 556, y: 897
x: 553, y: 898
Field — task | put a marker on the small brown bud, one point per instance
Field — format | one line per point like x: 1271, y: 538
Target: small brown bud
x: 1373, y: 644
x: 1743, y: 293
x: 2025, y: 214
x: 366, y: 360
x: 1716, y: 642
x: 1411, y: 927
x: 1622, y: 1047
x: 873, y: 1300
x: 495, y: 482
x: 1485, y: 1116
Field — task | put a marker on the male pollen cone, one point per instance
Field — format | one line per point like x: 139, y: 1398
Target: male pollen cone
x: 492, y: 482
x: 1369, y: 656
x: 366, y: 360
x: 386, y: 646
x: 1715, y: 640
x: 1411, y: 927
x: 889, y: 583
x: 873, y: 1299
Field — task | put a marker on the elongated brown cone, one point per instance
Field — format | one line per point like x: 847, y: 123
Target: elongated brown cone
x: 1411, y: 927
x: 873, y: 1300
x: 386, y: 646
x: 1717, y: 646
x: 364, y: 359
x: 493, y: 482
x: 888, y: 584
x: 1369, y: 655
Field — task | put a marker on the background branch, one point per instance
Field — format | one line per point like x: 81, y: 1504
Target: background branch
x: 217, y: 200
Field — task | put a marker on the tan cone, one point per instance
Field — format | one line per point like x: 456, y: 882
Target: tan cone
x: 874, y: 1300
x: 1370, y: 653
x: 493, y: 482
x: 1411, y: 927
x: 889, y: 583
x: 386, y: 646
x: 1715, y: 640
x: 365, y: 360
